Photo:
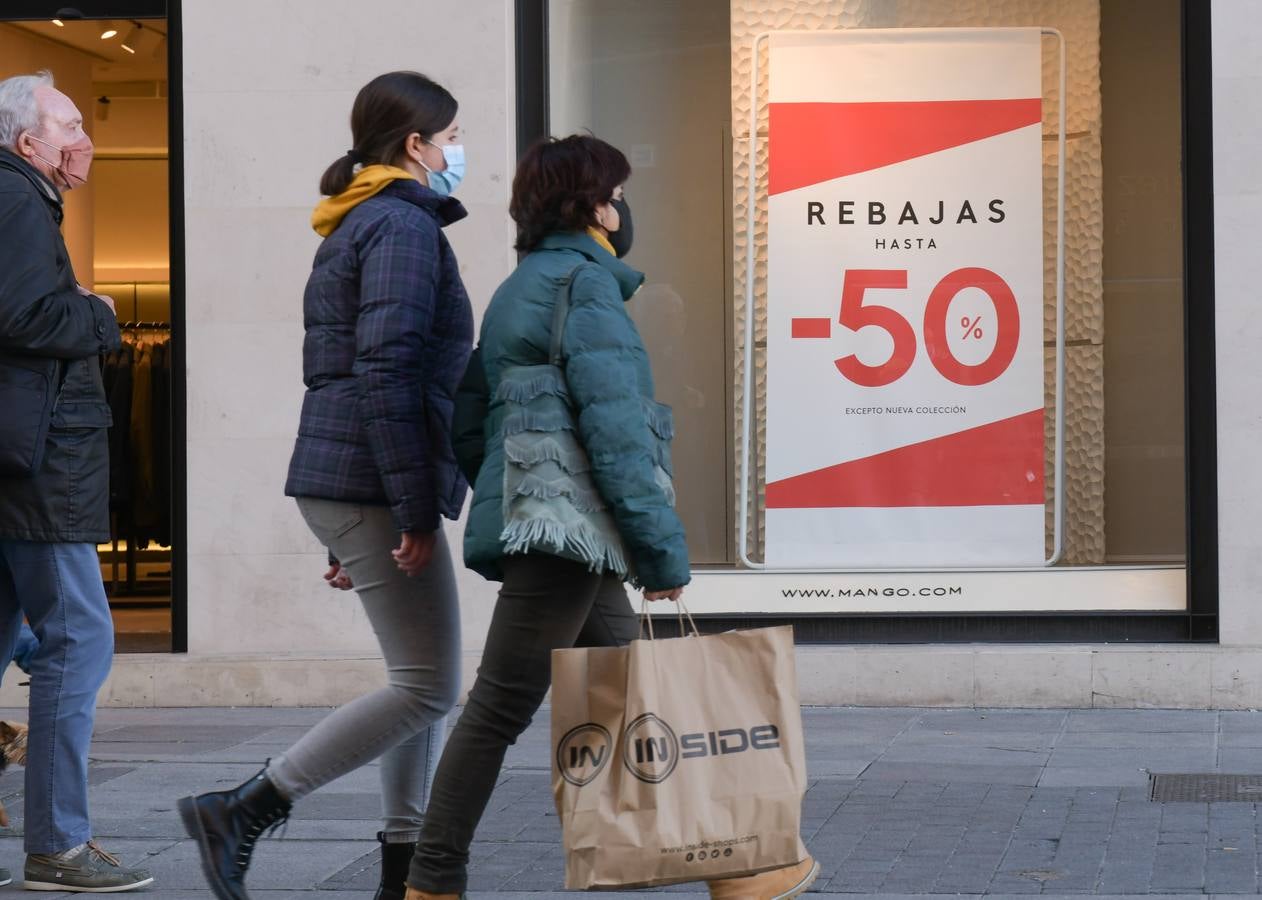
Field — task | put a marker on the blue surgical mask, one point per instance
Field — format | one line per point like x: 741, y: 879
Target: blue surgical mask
x: 446, y: 181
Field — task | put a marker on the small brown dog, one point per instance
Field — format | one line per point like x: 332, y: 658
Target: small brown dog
x: 12, y: 752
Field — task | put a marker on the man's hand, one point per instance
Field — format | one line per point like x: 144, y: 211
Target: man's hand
x: 338, y: 578
x: 673, y: 594
x: 416, y: 548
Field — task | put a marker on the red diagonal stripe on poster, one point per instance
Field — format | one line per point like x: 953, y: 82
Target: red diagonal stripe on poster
x: 1000, y: 464
x: 815, y: 142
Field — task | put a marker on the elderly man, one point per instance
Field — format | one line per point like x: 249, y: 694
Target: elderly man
x: 54, y: 481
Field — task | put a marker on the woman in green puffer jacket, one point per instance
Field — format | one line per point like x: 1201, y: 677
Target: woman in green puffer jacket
x: 621, y: 450
x: 571, y: 471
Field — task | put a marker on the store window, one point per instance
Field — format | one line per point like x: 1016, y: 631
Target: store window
x: 653, y: 78
x: 670, y: 84
x: 1144, y: 486
x: 117, y: 230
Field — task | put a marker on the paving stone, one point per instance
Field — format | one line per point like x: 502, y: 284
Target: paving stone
x: 1153, y: 759
x: 896, y: 807
x: 1142, y: 740
x: 225, y: 735
x: 1061, y: 776
x: 938, y: 757
x: 325, y: 805
x: 1154, y: 721
x: 989, y: 774
x: 994, y: 720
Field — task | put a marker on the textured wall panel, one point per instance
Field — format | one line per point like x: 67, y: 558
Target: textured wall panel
x: 1079, y: 21
x: 751, y: 18
x: 1084, y: 243
x: 1084, y: 451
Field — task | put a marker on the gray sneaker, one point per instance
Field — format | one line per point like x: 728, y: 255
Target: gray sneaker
x: 89, y: 870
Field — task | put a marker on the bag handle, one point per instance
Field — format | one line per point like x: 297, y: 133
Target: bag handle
x: 681, y: 611
x: 561, y: 311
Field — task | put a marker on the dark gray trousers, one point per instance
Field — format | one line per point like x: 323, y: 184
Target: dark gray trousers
x: 546, y: 603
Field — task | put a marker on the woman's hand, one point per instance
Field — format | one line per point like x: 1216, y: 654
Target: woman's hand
x: 673, y: 594
x: 337, y: 577
x: 416, y: 548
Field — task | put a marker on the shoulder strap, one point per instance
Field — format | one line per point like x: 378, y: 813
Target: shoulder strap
x: 560, y: 311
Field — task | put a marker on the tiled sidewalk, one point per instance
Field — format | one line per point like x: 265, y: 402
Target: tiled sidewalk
x: 902, y: 802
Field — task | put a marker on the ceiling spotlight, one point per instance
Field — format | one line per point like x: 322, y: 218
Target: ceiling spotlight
x: 59, y: 23
x: 109, y: 32
x: 133, y: 39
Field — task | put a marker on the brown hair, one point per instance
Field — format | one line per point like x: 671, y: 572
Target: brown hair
x: 560, y: 182
x: 387, y: 110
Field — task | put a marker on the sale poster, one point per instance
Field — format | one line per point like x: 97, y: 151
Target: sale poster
x: 905, y: 299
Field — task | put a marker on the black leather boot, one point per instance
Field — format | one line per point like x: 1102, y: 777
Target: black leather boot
x: 226, y: 825
x: 396, y: 859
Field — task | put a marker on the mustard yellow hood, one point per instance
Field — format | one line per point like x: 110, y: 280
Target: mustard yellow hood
x: 370, y: 181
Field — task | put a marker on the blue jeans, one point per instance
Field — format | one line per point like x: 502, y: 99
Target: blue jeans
x: 24, y: 652
x: 58, y: 588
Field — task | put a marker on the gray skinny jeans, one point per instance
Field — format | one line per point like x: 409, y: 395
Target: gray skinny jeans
x: 417, y: 623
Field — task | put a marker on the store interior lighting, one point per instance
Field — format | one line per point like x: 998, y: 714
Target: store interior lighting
x: 110, y: 31
x: 133, y: 38
x: 59, y: 23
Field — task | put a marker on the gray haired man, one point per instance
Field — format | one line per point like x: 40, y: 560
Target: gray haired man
x: 54, y: 481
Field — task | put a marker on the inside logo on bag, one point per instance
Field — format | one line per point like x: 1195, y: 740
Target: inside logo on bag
x: 650, y: 748
x: 583, y: 752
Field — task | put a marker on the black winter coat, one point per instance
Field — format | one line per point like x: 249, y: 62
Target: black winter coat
x: 47, y: 326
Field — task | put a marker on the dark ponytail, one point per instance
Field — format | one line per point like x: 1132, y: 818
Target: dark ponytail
x: 338, y: 177
x: 387, y: 111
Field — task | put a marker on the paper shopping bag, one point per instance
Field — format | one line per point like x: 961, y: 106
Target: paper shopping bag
x: 679, y: 759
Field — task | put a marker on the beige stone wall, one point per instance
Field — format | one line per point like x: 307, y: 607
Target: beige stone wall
x: 1079, y: 21
x: 1237, y: 38
x: 266, y: 109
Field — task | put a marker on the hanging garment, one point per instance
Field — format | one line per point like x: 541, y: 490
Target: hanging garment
x: 143, y: 492
x: 118, y: 387
x: 161, y: 430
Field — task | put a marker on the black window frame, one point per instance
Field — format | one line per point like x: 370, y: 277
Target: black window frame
x: 1199, y: 622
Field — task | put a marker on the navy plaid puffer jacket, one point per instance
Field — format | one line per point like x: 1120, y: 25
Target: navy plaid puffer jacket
x: 389, y: 331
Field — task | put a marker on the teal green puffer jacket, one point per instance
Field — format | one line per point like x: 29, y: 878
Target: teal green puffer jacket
x: 610, y: 386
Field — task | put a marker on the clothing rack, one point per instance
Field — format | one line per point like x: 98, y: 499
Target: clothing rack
x: 131, y: 556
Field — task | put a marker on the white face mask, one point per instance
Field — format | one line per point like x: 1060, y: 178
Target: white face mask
x: 446, y: 181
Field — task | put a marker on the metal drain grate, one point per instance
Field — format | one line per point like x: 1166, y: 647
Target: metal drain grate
x: 1207, y: 788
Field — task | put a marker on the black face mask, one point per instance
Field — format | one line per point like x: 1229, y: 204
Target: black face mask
x: 621, y: 239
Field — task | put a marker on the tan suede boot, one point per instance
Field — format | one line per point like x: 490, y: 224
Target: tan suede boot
x: 778, y: 884
x: 414, y: 894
